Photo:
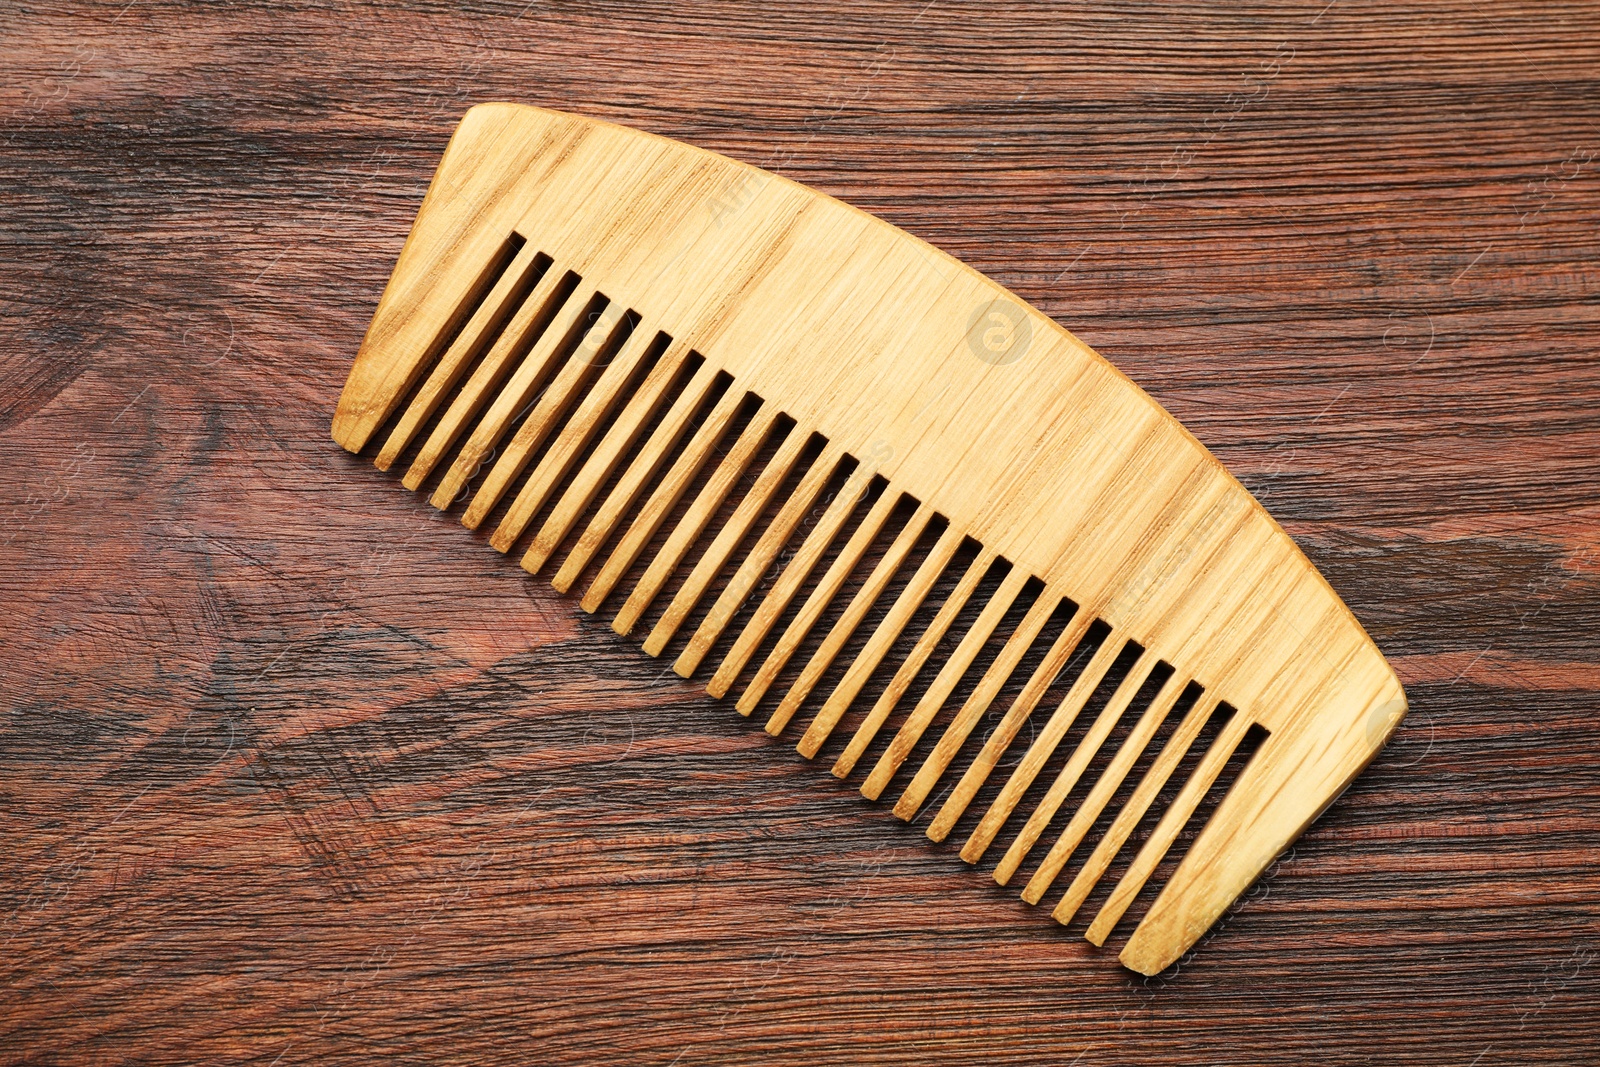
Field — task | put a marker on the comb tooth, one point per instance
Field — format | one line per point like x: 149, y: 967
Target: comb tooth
x: 1144, y: 794
x: 510, y: 290
x: 569, y: 383
x: 955, y: 735
x: 847, y: 622
x: 878, y: 645
x: 1060, y: 722
x: 944, y: 682
x: 793, y: 576
x: 913, y: 663
x: 693, y: 522
x: 574, y: 436
x: 727, y: 540
x: 1096, y: 736
x: 525, y: 325
x: 977, y: 772
x: 832, y: 581
x: 641, y: 470
x: 1183, y: 805
x: 760, y: 558
x: 1093, y: 804
x: 519, y: 390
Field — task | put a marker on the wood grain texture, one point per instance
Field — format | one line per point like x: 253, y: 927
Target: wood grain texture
x: 294, y: 771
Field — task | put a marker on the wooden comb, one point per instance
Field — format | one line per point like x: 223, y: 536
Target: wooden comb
x: 864, y: 486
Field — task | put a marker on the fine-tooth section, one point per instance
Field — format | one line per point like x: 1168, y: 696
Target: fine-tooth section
x: 950, y: 672
x: 1144, y: 794
x: 694, y: 520
x: 708, y: 382
x: 636, y: 353
x: 1183, y: 805
x: 766, y: 549
x: 882, y: 639
x: 605, y: 334
x: 727, y: 540
x: 911, y: 665
x: 1055, y: 729
x: 956, y: 733
x: 526, y: 326
x: 1085, y: 751
x: 554, y: 343
x: 833, y: 580
x: 1083, y: 819
x: 793, y: 577
x: 509, y: 292
x: 859, y: 605
x: 1005, y: 731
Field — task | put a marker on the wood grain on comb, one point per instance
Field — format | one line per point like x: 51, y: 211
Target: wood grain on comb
x: 872, y: 495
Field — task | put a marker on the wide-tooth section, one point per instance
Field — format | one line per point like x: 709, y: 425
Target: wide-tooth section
x: 527, y: 324
x: 877, y: 646
x: 726, y: 541
x: 793, y: 577
x: 912, y: 665
x: 643, y: 406
x: 575, y: 435
x: 848, y: 620
x: 1045, y: 744
x: 638, y: 473
x: 976, y: 705
x: 509, y: 293
x: 557, y: 399
x: 554, y: 344
x: 1005, y: 731
x: 1093, y: 804
x: 1086, y: 750
x: 833, y: 580
x: 618, y: 444
x: 693, y: 523
x: 1132, y: 811
x: 760, y: 558
x: 944, y: 682
x: 1161, y: 838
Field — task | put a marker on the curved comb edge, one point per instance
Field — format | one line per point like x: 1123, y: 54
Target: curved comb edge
x: 1289, y: 782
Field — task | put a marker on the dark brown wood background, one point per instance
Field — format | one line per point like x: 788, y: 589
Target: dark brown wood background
x: 294, y: 770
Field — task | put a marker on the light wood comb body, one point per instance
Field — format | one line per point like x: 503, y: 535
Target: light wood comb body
x: 596, y: 337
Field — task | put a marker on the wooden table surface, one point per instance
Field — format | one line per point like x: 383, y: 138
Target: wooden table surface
x: 295, y: 770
